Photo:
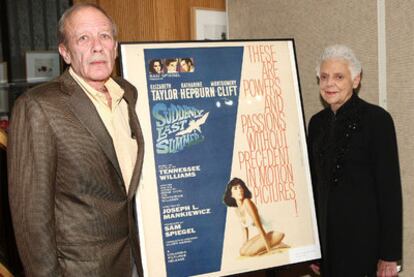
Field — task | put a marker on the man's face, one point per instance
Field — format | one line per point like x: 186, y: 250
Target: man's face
x: 90, y: 46
x: 184, y: 66
x: 336, y: 83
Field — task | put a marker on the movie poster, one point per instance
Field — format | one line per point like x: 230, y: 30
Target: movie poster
x: 226, y: 184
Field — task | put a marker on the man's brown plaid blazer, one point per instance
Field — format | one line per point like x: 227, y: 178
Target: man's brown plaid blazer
x: 71, y: 213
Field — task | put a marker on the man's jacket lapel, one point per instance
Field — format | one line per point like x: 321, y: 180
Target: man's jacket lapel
x: 130, y: 96
x: 86, y: 112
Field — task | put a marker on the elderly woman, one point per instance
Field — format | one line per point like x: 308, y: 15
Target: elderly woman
x: 238, y: 196
x: 355, y: 171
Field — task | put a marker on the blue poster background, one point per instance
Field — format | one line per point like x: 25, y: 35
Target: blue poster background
x: 211, y: 150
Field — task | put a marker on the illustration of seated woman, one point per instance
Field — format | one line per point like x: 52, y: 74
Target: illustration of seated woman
x: 238, y: 196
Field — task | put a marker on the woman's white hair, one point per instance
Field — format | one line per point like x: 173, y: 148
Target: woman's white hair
x: 339, y: 51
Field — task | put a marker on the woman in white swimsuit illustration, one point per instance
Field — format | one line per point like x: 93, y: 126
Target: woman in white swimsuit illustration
x: 238, y: 196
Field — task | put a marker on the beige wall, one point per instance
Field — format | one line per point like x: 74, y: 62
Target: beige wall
x: 400, y: 71
x: 315, y: 24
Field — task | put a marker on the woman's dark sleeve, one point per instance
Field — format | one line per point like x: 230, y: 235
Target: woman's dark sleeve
x: 387, y: 176
x: 311, y: 135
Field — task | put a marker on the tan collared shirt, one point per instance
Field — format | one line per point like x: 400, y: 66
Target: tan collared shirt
x: 116, y: 121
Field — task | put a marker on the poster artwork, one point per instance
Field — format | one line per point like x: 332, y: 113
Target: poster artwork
x: 226, y: 183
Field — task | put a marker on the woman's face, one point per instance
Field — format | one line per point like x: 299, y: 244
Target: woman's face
x: 172, y: 67
x: 335, y: 82
x: 157, y: 67
x: 237, y: 192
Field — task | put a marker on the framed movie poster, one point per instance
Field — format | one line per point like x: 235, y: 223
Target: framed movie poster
x: 226, y: 183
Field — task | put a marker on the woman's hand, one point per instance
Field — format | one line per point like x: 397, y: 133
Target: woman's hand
x: 315, y: 267
x: 387, y: 269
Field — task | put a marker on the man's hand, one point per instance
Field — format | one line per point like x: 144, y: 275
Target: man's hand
x: 387, y: 269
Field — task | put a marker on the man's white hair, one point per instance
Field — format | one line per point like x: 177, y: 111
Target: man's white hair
x: 343, y: 52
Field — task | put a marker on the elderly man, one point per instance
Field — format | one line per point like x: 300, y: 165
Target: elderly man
x: 75, y: 159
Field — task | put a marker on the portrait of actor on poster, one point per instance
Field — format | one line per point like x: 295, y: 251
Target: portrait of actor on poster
x: 226, y: 183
